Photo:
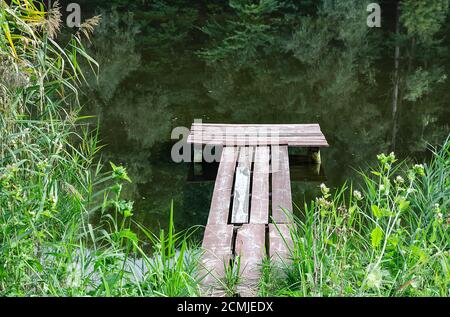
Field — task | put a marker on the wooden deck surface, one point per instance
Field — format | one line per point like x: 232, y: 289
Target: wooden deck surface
x: 300, y: 135
x: 251, y: 206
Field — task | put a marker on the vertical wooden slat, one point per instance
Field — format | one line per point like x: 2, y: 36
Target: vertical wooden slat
x: 281, y: 185
x: 217, y: 247
x: 260, y: 190
x: 280, y: 243
x: 220, y: 203
x: 241, y: 199
x: 250, y: 247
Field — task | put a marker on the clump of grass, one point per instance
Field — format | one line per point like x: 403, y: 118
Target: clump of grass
x: 391, y: 238
x: 232, y: 276
x: 51, y: 181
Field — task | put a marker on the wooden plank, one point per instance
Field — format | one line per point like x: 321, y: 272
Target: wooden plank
x: 301, y: 135
x: 275, y: 139
x: 217, y: 246
x: 220, y: 203
x: 254, y: 130
x: 260, y: 190
x: 296, y: 142
x: 250, y: 247
x: 240, y: 131
x: 241, y: 199
x: 237, y: 130
x: 281, y: 185
x: 280, y: 243
x: 196, y: 135
x: 279, y: 126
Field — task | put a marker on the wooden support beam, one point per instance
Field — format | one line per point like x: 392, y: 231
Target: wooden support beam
x: 314, y: 155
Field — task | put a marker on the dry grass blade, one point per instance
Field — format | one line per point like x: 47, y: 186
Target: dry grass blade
x: 87, y: 27
x: 54, y: 20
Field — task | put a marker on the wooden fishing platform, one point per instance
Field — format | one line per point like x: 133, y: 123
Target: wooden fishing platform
x: 251, y: 207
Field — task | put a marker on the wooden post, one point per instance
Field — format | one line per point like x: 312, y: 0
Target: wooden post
x: 198, y: 159
x: 198, y: 153
x: 314, y: 155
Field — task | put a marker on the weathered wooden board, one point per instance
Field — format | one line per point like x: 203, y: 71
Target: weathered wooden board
x: 260, y: 190
x: 280, y: 243
x: 250, y: 141
x: 304, y: 135
x: 241, y: 199
x: 217, y: 247
x: 281, y: 185
x: 296, y: 127
x: 250, y: 247
x: 221, y: 198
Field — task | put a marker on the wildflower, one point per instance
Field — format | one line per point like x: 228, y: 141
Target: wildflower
x: 357, y: 194
x: 324, y: 189
x: 392, y: 157
x: 399, y: 180
x: 322, y: 202
x: 419, y: 169
x: 375, y: 276
x: 410, y: 191
x: 386, y: 161
x: 381, y: 157
x: 440, y: 217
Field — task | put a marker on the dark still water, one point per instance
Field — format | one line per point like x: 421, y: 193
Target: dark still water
x: 152, y: 80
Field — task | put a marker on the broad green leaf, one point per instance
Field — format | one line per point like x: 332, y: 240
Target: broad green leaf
x: 376, y: 237
x: 377, y: 212
x: 127, y: 213
x: 403, y: 205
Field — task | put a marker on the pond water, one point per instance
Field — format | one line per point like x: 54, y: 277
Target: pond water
x: 151, y: 83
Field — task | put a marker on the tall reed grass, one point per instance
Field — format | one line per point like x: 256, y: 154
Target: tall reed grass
x: 51, y: 181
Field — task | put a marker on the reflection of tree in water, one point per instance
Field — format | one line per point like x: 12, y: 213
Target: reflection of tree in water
x: 421, y: 62
x: 322, y: 68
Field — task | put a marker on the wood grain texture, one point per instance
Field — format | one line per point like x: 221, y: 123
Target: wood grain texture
x: 281, y: 185
x: 280, y: 242
x: 221, y: 198
x: 217, y: 247
x: 301, y: 135
x: 241, y: 199
x: 250, y: 247
x: 260, y: 189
